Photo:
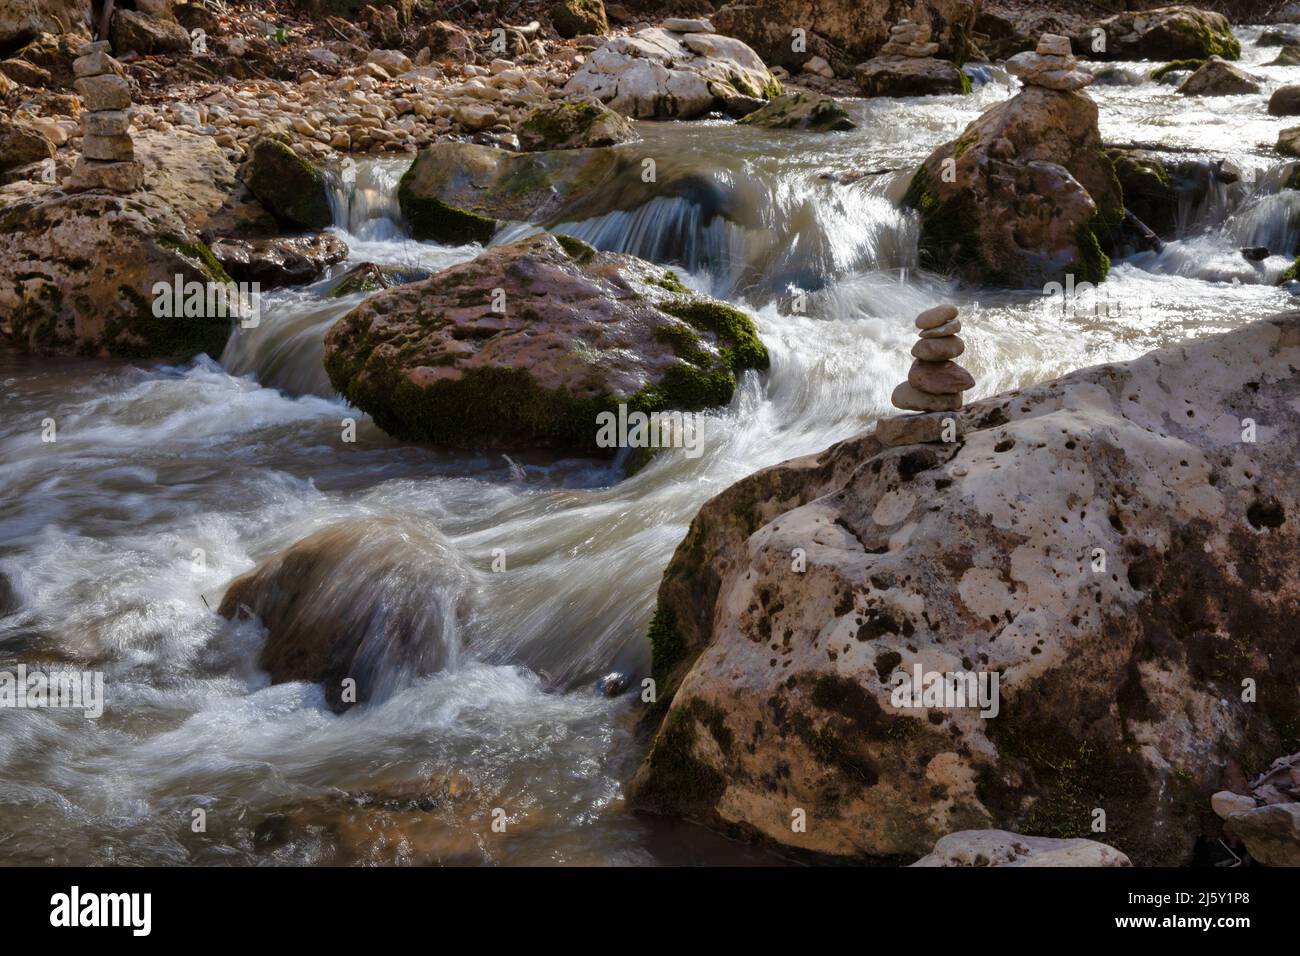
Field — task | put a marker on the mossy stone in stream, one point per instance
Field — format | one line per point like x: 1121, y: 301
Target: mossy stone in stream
x: 575, y: 125
x: 1175, y: 66
x: 802, y: 110
x: 292, y: 189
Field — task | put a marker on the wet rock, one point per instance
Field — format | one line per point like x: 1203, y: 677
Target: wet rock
x: 1254, y: 253
x: 909, y: 76
x: 1000, y: 848
x: 146, y: 35
x: 655, y: 74
x: 1148, y: 188
x: 1287, y: 56
x: 294, y: 190
x: 381, y: 601
x: 1218, y: 77
x: 612, y: 684
x: 581, y: 332
x: 1029, y: 198
x: 843, y: 32
x: 366, y: 277
x: 579, y: 17
x: 464, y: 192
x: 288, y: 260
x: 802, y: 110
x: 1169, y: 33
x: 573, y: 126
x: 977, y: 557
x: 1271, y: 834
x: 1285, y: 101
x: 1288, y: 141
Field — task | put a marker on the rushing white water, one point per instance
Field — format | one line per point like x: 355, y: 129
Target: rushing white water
x: 164, y: 483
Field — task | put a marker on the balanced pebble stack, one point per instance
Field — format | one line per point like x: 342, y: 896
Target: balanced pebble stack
x: 107, y: 152
x: 909, y: 39
x: 934, y: 382
x: 1051, y: 65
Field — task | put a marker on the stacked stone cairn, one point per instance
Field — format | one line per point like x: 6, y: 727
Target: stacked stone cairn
x: 1051, y: 65
x: 909, y: 39
x: 107, y: 152
x: 934, y: 384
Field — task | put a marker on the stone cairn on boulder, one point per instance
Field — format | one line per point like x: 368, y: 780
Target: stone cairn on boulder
x: 934, y: 383
x: 1051, y: 65
x: 909, y: 39
x: 107, y: 152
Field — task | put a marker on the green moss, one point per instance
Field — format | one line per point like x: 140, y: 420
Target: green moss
x: 672, y: 283
x: 737, y: 338
x: 293, y: 189
x: 1175, y: 65
x: 964, y: 80
x: 684, y: 342
x: 1092, y: 264
x: 1291, y: 271
x: 577, y: 250
x: 199, y: 253
x: 667, y: 649
x: 432, y: 219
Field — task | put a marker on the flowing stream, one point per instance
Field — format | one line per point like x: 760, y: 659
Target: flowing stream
x: 165, y: 482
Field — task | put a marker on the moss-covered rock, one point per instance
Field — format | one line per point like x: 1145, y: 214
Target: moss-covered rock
x: 529, y: 342
x: 803, y: 110
x: 573, y: 125
x: 1023, y: 197
x: 292, y: 189
x: 1147, y: 187
x: 909, y: 76
x: 577, y: 17
x: 79, y: 274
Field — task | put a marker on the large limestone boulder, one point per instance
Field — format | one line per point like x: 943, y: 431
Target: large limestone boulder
x: 77, y: 272
x: 575, y: 332
x: 1120, y: 547
x: 1218, y: 77
x: 1000, y: 848
x: 23, y: 18
x: 1271, y: 833
x: 658, y: 74
x: 1030, y: 195
x: 843, y: 32
x: 380, y: 600
x: 1167, y: 33
x: 909, y: 76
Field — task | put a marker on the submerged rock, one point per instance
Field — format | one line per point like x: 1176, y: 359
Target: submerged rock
x: 1000, y: 848
x: 1168, y: 33
x: 656, y: 74
x: 529, y: 342
x: 573, y: 126
x: 1119, y: 547
x: 379, y: 600
x: 464, y: 192
x: 802, y: 110
x: 1025, y: 196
